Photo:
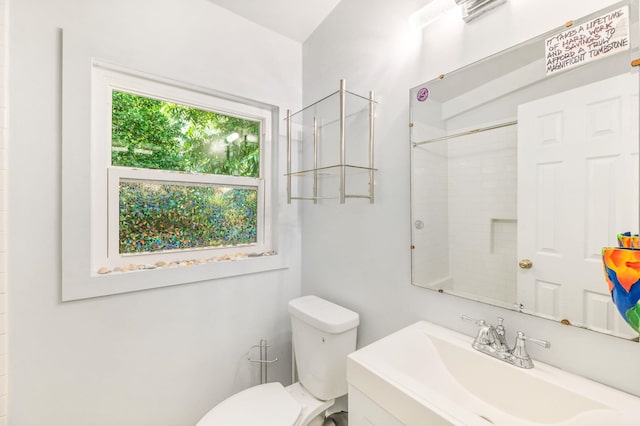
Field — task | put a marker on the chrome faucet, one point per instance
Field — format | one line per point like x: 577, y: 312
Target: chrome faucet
x: 492, y: 341
x: 487, y: 338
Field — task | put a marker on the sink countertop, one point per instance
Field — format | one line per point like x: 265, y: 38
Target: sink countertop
x: 425, y: 374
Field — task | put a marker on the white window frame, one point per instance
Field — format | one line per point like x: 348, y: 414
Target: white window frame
x: 105, y: 235
x: 89, y: 210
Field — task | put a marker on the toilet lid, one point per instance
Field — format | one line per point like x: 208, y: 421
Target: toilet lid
x: 265, y: 405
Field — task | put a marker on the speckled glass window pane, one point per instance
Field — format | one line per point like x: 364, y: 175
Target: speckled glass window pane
x: 158, y: 216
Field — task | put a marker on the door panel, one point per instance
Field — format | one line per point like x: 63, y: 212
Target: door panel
x: 577, y: 189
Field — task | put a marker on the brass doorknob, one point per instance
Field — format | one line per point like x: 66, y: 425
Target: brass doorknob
x: 525, y: 264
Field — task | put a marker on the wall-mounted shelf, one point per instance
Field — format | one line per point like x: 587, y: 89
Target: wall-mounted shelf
x: 344, y: 120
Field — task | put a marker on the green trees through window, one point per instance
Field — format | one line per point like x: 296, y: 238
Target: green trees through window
x: 158, y: 215
x: 154, y: 134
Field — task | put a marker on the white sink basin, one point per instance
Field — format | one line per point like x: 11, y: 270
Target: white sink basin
x: 426, y: 374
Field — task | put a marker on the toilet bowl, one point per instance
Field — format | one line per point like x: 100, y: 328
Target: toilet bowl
x: 323, y: 334
x: 270, y: 404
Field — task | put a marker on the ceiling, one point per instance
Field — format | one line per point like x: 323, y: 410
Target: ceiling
x: 295, y: 19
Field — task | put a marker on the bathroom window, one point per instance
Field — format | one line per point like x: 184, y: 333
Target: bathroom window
x: 180, y: 175
x: 158, y: 209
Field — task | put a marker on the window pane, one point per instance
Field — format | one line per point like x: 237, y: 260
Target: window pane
x: 159, y: 216
x: 154, y: 134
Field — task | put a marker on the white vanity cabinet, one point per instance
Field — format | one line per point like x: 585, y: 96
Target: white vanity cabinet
x: 365, y: 412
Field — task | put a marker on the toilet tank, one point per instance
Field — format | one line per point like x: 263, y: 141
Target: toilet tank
x: 323, y: 335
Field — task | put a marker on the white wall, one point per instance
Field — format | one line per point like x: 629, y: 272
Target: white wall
x: 358, y: 254
x: 3, y: 215
x: 156, y: 357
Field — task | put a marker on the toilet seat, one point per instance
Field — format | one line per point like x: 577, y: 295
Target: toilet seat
x: 269, y: 404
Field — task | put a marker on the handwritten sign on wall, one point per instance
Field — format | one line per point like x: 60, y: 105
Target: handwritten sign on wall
x: 595, y: 39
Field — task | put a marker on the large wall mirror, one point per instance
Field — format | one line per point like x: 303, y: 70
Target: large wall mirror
x: 525, y: 165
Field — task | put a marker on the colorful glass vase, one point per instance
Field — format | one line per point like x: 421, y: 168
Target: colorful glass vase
x: 622, y: 272
x: 628, y: 240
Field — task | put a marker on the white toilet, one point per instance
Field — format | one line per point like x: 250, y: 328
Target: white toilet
x: 323, y: 335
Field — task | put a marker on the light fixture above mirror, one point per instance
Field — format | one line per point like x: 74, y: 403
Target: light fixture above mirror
x: 471, y: 9
x: 436, y: 9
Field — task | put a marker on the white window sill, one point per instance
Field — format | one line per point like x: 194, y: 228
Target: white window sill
x: 95, y: 285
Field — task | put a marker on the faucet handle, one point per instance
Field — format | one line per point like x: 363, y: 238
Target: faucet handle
x: 486, y: 332
x: 473, y: 320
x: 520, y: 356
x: 543, y: 343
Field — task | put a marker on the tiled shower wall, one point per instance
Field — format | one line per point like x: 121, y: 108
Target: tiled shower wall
x: 3, y: 215
x: 482, y: 213
x: 465, y: 200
